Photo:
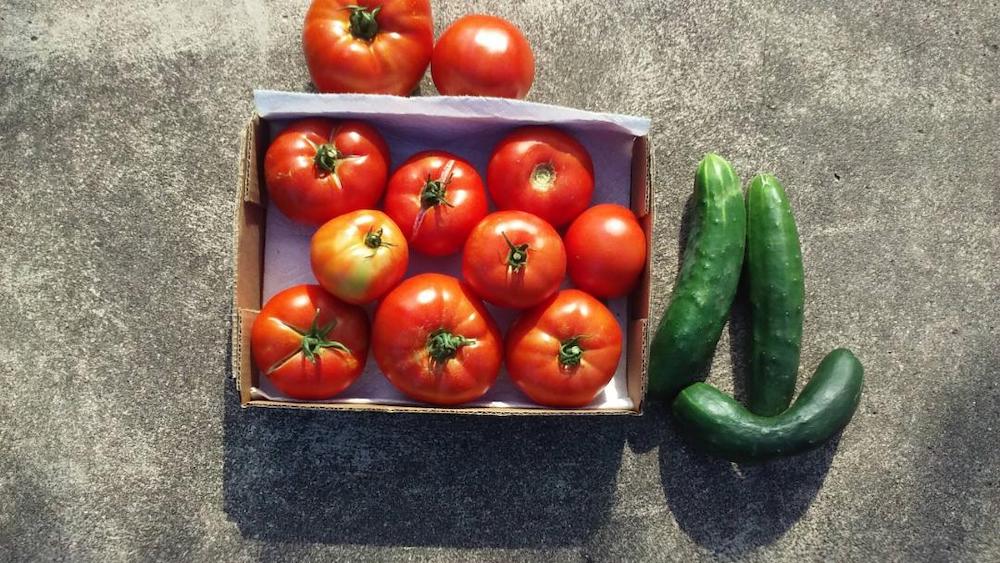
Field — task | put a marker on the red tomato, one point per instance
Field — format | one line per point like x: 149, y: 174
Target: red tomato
x: 542, y: 171
x: 434, y: 340
x: 483, y: 56
x: 369, y: 46
x: 564, y: 352
x: 436, y: 198
x: 317, y: 169
x: 606, y: 250
x: 308, y: 343
x: 359, y: 256
x: 514, y: 259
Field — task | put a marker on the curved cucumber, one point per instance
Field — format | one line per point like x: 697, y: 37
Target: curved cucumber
x: 721, y: 426
x: 777, y: 296
x: 690, y: 329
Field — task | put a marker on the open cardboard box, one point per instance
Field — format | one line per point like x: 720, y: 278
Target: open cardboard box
x: 272, y: 252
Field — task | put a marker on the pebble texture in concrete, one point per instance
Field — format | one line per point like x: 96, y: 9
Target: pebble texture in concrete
x: 120, y: 435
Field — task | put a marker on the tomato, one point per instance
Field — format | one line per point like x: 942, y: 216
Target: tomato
x: 308, y: 343
x: 514, y: 259
x: 369, y: 46
x: 317, y: 169
x: 542, y: 171
x: 359, y: 256
x: 483, y: 56
x: 434, y: 340
x: 436, y: 198
x: 606, y: 250
x: 563, y: 352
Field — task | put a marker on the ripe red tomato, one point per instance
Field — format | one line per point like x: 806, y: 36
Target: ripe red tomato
x: 563, y: 352
x: 359, y: 256
x: 514, y: 259
x: 434, y: 340
x: 483, y: 56
x: 317, y: 169
x: 308, y: 343
x: 436, y: 198
x: 542, y: 171
x: 369, y: 46
x: 606, y: 250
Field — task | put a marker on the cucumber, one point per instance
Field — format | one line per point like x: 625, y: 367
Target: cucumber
x: 721, y: 426
x: 690, y: 329
x: 777, y: 295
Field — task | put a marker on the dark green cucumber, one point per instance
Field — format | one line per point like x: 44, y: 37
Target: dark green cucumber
x: 713, y: 257
x: 777, y: 296
x: 721, y: 426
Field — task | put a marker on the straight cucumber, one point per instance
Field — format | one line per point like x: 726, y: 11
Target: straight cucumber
x: 690, y: 329
x: 777, y: 296
x: 722, y: 427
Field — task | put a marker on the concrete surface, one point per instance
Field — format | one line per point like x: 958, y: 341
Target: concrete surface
x: 120, y: 438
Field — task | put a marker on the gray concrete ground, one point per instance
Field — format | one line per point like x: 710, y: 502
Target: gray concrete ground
x: 120, y: 437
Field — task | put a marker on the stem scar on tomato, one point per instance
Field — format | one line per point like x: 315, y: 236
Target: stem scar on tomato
x: 313, y: 340
x: 543, y: 176
x: 570, y: 352
x: 364, y: 26
x: 442, y: 345
x: 517, y: 257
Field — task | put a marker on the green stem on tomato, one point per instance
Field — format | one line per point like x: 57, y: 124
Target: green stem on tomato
x: 442, y: 345
x: 570, y: 352
x: 327, y: 157
x: 517, y: 257
x: 364, y: 26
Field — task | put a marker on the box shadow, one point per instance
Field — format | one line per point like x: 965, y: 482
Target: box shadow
x: 418, y: 480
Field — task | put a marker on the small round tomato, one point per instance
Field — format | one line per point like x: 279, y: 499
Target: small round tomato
x: 317, y: 169
x: 542, y: 171
x: 483, y: 56
x: 359, y: 256
x: 434, y: 340
x: 369, y: 46
x: 563, y: 352
x: 606, y: 250
x: 514, y: 259
x: 436, y: 198
x: 308, y: 343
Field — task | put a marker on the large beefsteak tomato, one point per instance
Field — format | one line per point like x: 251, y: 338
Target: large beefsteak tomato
x: 317, y: 169
x: 543, y: 171
x: 514, y: 259
x: 436, y: 342
x: 368, y: 46
x: 308, y: 343
x: 563, y: 352
x: 436, y: 198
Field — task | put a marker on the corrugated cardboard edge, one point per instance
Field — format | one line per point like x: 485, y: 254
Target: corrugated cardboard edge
x: 248, y: 269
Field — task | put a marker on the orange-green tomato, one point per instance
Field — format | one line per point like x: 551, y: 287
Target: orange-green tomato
x: 359, y: 256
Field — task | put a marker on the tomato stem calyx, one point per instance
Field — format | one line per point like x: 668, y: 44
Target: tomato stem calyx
x: 570, y: 352
x: 313, y: 340
x: 518, y: 255
x: 434, y: 193
x: 327, y: 157
x: 373, y: 240
x: 443, y: 345
x: 363, y: 23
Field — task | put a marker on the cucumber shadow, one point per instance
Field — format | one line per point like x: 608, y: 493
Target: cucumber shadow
x: 732, y: 509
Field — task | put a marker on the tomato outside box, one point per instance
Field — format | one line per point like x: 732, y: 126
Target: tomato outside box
x: 273, y: 253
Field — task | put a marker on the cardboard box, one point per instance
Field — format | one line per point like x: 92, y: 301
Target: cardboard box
x: 457, y: 125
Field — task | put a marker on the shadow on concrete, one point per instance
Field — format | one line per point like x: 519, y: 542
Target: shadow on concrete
x: 418, y: 480
x: 732, y: 509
